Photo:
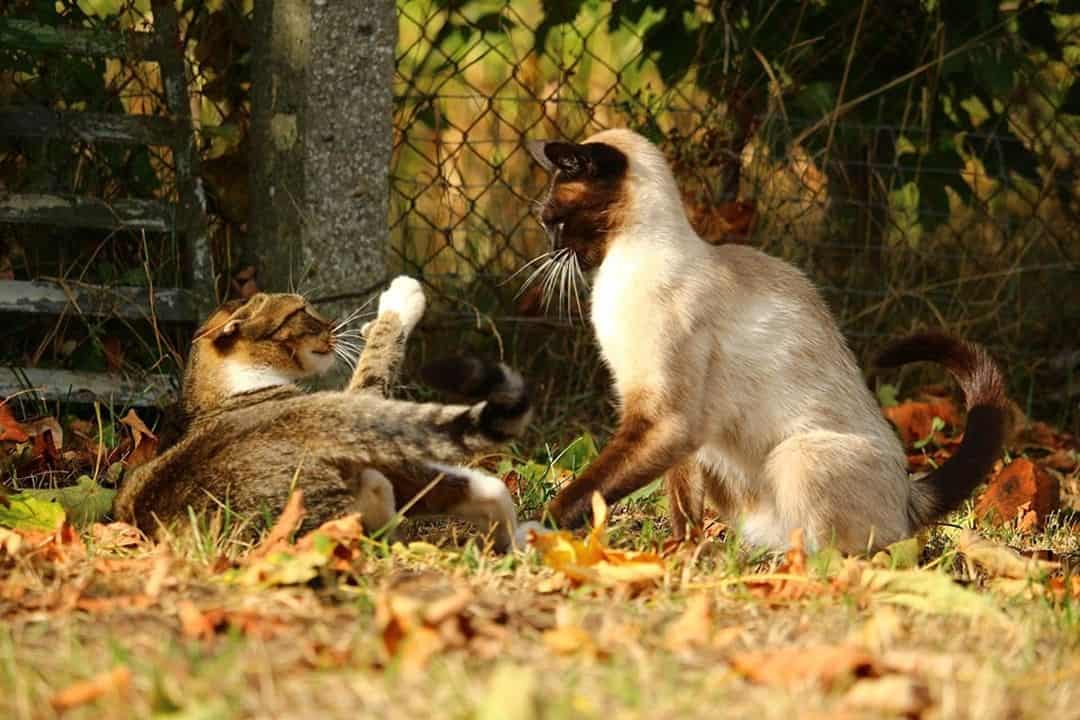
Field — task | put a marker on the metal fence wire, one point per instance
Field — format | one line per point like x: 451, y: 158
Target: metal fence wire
x: 917, y: 160
x: 897, y: 233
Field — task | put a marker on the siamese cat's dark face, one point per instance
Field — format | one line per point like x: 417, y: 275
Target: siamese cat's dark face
x: 585, y: 199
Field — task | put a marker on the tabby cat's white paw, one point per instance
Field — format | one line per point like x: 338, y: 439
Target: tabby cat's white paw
x: 404, y: 297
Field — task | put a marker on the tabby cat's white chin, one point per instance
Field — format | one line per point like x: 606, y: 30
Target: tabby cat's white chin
x: 241, y: 378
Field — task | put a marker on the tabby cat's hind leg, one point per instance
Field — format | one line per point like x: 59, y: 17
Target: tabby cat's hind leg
x: 375, y: 500
x: 477, y: 497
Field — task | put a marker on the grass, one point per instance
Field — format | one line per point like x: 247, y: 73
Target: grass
x: 323, y: 647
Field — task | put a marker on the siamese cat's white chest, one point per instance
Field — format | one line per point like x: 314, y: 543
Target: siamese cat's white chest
x: 624, y: 315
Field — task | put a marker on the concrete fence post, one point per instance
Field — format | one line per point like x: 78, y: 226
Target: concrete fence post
x: 321, y: 132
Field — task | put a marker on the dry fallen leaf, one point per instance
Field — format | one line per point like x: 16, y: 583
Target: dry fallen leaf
x: 117, y: 680
x: 287, y: 523
x: 145, y: 442
x: 1000, y: 560
x: 693, y: 628
x: 569, y: 640
x: 825, y: 665
x: 116, y: 535
x: 10, y: 429
x: 891, y: 695
x: 415, y: 627
x: 914, y: 419
x: 591, y: 560
x: 1020, y: 487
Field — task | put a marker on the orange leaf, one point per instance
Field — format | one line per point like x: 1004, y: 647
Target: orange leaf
x: 1020, y: 487
x: 591, y: 560
x: 10, y: 429
x: 117, y: 680
x: 287, y: 523
x: 825, y: 665
x: 914, y: 419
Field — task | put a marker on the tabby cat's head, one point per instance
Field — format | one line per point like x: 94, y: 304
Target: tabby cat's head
x: 267, y: 340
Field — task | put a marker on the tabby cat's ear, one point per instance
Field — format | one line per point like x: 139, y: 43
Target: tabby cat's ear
x: 224, y: 324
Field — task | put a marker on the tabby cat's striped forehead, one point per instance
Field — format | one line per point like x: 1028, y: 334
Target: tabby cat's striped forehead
x: 262, y: 315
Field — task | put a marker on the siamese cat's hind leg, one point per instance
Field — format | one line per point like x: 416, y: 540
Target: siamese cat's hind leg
x: 840, y: 488
x: 685, y: 485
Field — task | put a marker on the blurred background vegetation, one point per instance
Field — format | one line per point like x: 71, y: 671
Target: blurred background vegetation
x: 918, y: 158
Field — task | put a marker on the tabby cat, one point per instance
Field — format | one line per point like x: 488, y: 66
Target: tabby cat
x: 252, y: 432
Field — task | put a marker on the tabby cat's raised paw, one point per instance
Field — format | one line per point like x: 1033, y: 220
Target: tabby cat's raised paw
x: 404, y: 297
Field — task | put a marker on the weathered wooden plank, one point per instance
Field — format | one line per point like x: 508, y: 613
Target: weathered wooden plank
x: 32, y: 36
x: 170, y: 305
x: 79, y: 211
x: 40, y: 122
x: 84, y: 387
x: 191, y: 209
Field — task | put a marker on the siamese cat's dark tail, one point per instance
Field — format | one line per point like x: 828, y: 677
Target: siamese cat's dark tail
x: 946, y: 488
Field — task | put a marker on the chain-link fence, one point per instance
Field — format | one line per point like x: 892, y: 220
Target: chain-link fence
x: 919, y: 165
x: 902, y: 222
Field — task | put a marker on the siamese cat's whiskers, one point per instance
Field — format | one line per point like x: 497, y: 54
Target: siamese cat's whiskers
x: 576, y: 277
x: 544, y: 267
x: 526, y: 266
x: 550, y: 279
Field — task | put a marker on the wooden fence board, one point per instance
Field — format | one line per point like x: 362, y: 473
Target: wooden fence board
x: 79, y: 211
x: 40, y: 122
x: 170, y: 305
x: 32, y: 36
x: 85, y: 387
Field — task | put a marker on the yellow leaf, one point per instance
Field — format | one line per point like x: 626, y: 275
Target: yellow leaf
x: 591, y: 561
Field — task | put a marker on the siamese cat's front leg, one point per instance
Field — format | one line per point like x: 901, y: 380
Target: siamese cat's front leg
x: 641, y: 450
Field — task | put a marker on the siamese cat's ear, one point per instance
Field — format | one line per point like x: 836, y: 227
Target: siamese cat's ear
x: 591, y: 160
x: 570, y: 159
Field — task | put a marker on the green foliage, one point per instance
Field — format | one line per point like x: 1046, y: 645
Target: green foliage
x: 25, y: 511
x: 84, y: 503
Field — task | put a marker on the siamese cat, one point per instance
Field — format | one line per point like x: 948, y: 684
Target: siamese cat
x: 732, y: 378
x: 252, y: 432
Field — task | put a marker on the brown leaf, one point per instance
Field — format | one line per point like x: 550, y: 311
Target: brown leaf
x: 146, y: 442
x: 826, y: 665
x: 10, y: 429
x: 117, y: 680
x: 114, y: 353
x: 1022, y: 486
x: 46, y: 426
x: 287, y: 523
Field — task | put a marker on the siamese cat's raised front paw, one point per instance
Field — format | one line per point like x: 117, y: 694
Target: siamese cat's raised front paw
x: 404, y: 297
